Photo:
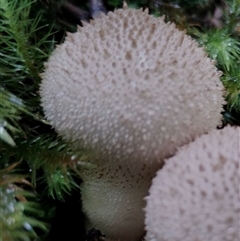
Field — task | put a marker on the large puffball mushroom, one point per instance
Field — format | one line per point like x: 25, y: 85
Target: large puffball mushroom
x: 195, y: 197
x: 131, y: 89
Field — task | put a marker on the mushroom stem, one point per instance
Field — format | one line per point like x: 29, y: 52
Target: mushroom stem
x: 113, y: 200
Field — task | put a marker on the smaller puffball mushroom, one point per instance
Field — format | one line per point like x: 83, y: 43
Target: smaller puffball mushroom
x: 195, y: 197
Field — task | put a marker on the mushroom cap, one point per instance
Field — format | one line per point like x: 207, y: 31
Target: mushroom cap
x: 195, y: 197
x: 131, y: 86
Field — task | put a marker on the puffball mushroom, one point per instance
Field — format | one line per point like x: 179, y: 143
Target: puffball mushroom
x: 195, y: 197
x: 131, y: 89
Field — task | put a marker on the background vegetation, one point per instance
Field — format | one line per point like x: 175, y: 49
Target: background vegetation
x: 39, y: 196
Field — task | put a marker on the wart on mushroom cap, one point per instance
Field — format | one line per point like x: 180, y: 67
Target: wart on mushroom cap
x: 196, y: 194
x: 131, y: 88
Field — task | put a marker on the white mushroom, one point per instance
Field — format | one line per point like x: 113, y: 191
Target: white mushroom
x: 131, y: 89
x: 195, y: 197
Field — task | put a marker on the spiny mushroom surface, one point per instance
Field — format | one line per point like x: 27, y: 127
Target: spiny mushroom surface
x: 131, y: 89
x: 195, y: 197
x: 131, y: 85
